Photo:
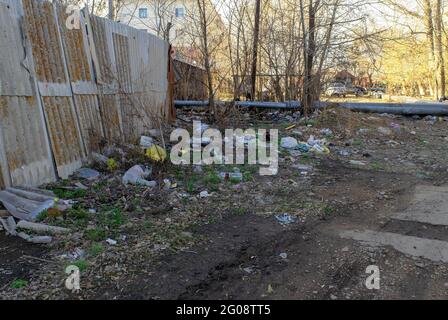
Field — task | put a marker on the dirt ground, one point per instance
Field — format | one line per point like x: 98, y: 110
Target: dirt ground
x: 173, y: 244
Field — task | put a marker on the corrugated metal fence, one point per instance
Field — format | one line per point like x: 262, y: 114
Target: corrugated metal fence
x: 63, y: 90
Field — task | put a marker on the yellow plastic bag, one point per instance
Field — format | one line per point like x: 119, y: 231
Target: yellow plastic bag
x: 156, y: 153
x: 112, y: 165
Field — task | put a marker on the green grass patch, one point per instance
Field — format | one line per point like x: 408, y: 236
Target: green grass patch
x: 69, y: 194
x: 97, y: 234
x: 19, y: 284
x: 96, y: 249
x: 83, y: 265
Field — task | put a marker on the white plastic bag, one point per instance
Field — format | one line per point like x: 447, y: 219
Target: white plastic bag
x: 137, y: 176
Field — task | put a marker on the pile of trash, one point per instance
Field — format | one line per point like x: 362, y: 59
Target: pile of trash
x: 23, y: 207
x: 318, y: 146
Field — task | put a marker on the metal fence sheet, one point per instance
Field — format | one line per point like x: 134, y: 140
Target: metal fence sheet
x: 15, y: 77
x: 54, y: 106
x: 24, y: 139
x: 64, y: 134
x: 42, y: 28
x: 88, y: 111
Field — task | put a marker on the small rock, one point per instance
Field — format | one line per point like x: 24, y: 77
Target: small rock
x: 385, y: 131
x: 204, y: 194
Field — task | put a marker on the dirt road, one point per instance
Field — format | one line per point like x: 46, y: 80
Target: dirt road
x: 379, y: 200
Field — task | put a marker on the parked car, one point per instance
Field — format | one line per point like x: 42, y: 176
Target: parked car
x: 360, y: 91
x: 336, y: 90
x: 356, y: 91
x: 377, y: 93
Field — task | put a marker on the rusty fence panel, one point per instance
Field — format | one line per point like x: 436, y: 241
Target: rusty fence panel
x: 41, y: 27
x: 64, y: 90
x: 80, y: 69
x: 25, y: 154
x: 133, y: 66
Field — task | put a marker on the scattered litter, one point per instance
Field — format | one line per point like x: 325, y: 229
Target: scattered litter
x: 284, y: 256
x: 317, y: 148
x: 385, y: 131
x: 249, y: 270
x: 204, y: 194
x: 112, y: 165
x: 231, y: 176
x: 137, y: 176
x: 291, y: 127
x: 111, y: 242
x: 88, y: 174
x: 363, y: 131
x: 156, y: 153
x: 146, y: 142
x: 303, y: 167
x: 395, y: 126
x: 289, y: 143
x: 26, y: 204
x: 286, y: 219
x: 168, y: 185
x: 303, y: 147
x: 92, y: 211
x: 160, y: 247
x: 432, y: 119
x: 357, y: 163
x: 326, y: 132
x: 344, y: 153
x: 76, y: 254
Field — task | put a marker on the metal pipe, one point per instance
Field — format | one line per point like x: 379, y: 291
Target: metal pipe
x: 407, y: 109
x: 243, y: 104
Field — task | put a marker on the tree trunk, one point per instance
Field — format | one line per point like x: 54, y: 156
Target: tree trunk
x: 440, y: 60
x: 429, y: 24
x: 255, y: 48
x: 309, y: 88
x: 206, y: 53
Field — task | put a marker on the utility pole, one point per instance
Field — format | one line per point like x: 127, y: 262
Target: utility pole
x: 255, y: 48
x: 111, y: 10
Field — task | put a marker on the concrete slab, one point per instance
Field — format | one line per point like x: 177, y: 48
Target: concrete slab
x: 430, y: 205
x: 433, y: 250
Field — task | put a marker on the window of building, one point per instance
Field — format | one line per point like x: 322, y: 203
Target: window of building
x: 180, y: 12
x: 143, y: 13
